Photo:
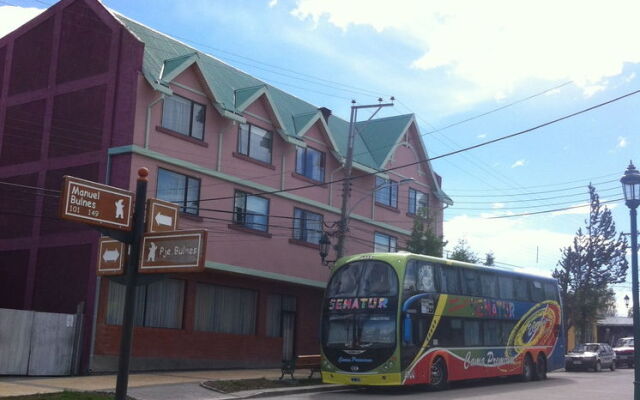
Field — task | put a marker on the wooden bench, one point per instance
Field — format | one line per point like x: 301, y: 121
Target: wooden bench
x: 309, y: 361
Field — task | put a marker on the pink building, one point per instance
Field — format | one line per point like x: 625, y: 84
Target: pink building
x: 88, y: 92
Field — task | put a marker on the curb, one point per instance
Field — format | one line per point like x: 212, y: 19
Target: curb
x: 256, y: 394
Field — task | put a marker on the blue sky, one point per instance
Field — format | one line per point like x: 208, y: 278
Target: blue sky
x: 448, y: 61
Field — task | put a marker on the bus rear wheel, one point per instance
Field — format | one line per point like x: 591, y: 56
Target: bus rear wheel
x: 527, y: 369
x: 541, y: 368
x: 438, y: 377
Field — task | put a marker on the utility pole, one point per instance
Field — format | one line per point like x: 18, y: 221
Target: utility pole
x: 346, y: 186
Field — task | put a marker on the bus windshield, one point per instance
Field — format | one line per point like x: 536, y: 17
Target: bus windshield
x: 363, y: 279
x: 360, y: 331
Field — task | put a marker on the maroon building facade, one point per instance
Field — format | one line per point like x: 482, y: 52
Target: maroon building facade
x: 68, y: 82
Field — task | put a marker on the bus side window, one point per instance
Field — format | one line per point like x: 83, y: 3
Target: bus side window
x: 472, y: 333
x: 537, y: 292
x: 471, y: 282
x: 449, y: 279
x: 419, y: 277
x: 451, y: 333
x: 550, y: 290
x: 506, y: 287
x: 522, y: 289
x: 505, y: 331
x: 410, y: 279
x: 489, y: 284
x: 491, y: 335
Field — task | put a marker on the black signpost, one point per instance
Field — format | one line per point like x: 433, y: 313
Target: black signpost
x: 131, y: 281
x: 108, y: 209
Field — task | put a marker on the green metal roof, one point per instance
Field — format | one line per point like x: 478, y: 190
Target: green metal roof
x: 233, y: 90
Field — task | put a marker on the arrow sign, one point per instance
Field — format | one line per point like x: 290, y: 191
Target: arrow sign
x: 162, y: 219
x: 111, y: 257
x: 176, y: 251
x: 96, y: 204
x: 162, y: 216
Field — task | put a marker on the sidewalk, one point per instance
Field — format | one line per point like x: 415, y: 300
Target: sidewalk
x: 142, y: 386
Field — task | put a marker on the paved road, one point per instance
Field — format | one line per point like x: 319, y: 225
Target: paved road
x: 605, y: 385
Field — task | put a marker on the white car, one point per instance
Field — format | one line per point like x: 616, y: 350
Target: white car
x: 624, y: 351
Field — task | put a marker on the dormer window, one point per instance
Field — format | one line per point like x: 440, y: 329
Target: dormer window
x: 386, y: 192
x: 183, y: 116
x: 310, y: 163
x: 417, y: 201
x: 255, y: 142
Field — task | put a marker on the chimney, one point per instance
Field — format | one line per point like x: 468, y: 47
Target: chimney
x: 325, y: 113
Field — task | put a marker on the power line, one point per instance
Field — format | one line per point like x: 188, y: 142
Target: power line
x: 549, y: 211
x: 482, y: 144
x: 499, y: 108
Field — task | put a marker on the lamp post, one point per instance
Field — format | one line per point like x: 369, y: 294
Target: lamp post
x: 631, y: 188
x: 348, y: 164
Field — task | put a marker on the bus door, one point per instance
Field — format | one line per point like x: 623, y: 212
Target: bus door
x: 416, y: 318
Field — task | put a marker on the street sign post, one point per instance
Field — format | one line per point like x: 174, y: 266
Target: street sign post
x: 111, y: 256
x: 162, y: 216
x: 176, y: 251
x: 96, y: 204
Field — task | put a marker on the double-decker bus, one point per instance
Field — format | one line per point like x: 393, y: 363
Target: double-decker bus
x: 403, y: 319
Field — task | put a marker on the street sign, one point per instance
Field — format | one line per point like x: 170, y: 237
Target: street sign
x: 162, y: 216
x: 177, y: 251
x: 111, y: 255
x: 96, y: 204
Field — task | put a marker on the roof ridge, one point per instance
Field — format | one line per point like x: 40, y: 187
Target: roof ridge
x: 388, y: 118
x: 250, y: 87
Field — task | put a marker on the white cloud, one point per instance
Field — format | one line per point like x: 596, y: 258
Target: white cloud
x: 518, y: 163
x: 482, y: 136
x: 497, y: 205
x: 622, y: 142
x: 12, y: 17
x: 273, y: 3
x: 512, y: 240
x: 498, y: 44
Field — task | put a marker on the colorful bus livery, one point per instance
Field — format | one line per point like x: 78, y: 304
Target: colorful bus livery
x: 431, y: 320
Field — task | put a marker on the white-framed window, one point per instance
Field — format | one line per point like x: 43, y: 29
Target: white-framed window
x: 180, y: 189
x: 310, y: 163
x: 251, y: 211
x: 158, y: 305
x: 255, y: 142
x: 417, y: 200
x: 183, y: 116
x: 225, y: 309
x: 387, y: 194
x: 307, y: 226
x: 385, y: 243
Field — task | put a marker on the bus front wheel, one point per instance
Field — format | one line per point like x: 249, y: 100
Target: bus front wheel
x: 527, y: 369
x: 439, y: 374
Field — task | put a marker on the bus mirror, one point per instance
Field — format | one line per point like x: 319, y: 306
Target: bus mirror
x: 407, y: 329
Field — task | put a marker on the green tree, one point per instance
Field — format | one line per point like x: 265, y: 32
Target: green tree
x: 595, y: 260
x: 490, y: 259
x: 462, y: 252
x: 423, y: 240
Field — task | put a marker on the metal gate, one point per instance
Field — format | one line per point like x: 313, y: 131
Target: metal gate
x: 39, y: 343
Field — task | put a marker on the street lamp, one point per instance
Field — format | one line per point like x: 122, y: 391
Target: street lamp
x: 626, y: 301
x: 631, y: 188
x: 324, y: 247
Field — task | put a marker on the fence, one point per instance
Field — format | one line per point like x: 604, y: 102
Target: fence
x: 39, y: 343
